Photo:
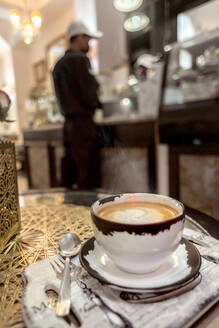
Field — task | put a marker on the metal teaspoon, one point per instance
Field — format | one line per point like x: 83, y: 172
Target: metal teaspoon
x: 69, y: 246
x: 211, y: 258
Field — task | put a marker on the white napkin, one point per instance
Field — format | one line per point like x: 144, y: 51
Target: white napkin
x: 94, y: 312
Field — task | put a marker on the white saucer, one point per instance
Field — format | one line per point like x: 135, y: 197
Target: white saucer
x: 181, y: 267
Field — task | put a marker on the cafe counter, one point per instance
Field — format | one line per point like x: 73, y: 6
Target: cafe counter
x: 127, y: 150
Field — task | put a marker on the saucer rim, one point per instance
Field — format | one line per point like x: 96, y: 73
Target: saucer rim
x: 192, y: 252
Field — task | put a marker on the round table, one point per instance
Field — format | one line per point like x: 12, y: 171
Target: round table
x: 45, y: 217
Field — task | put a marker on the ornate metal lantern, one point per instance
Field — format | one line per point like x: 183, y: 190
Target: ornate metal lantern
x: 9, y: 203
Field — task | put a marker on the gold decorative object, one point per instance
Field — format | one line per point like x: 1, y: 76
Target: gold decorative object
x: 9, y: 205
x: 42, y: 226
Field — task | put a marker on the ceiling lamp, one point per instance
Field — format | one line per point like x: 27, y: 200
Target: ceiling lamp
x: 136, y: 22
x: 27, y: 31
x: 36, y: 19
x: 15, y: 17
x: 27, y: 26
x: 127, y: 5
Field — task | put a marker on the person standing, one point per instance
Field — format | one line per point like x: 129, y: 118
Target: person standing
x: 77, y: 94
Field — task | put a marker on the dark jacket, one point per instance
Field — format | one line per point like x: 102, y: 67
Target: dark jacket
x: 75, y: 86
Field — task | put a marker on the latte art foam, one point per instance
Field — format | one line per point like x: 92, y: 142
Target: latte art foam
x: 137, y: 212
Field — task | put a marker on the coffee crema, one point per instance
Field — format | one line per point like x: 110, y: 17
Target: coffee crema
x: 137, y: 212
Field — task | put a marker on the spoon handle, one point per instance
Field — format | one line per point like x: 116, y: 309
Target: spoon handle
x: 64, y: 299
x: 211, y: 258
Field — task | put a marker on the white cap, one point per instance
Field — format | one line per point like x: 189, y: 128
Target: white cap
x: 78, y: 28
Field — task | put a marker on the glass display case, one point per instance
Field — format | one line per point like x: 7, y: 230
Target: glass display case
x: 192, y: 73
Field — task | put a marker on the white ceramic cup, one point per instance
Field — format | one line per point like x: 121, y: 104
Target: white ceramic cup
x: 138, y: 248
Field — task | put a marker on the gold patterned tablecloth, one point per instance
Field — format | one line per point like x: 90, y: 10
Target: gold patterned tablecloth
x: 41, y: 229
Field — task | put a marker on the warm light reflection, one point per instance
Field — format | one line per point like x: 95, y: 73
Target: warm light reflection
x: 61, y: 199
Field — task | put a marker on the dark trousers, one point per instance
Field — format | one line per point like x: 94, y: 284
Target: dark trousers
x: 81, y: 163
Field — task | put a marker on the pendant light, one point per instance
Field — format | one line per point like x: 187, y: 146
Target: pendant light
x: 136, y: 22
x: 127, y: 5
